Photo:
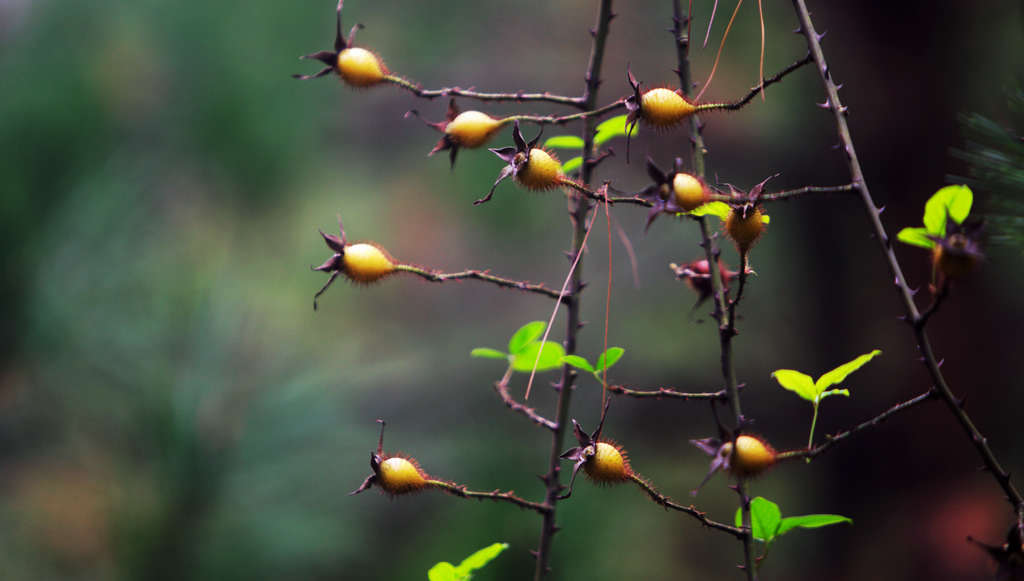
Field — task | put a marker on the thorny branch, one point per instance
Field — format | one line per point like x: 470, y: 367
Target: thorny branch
x: 668, y: 392
x: 461, y: 491
x: 916, y: 320
x: 484, y: 276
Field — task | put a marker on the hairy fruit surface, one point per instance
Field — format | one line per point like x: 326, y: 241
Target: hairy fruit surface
x: 366, y: 263
x: 399, y: 475
x: 744, y: 225
x: 472, y: 128
x: 751, y: 457
x: 359, y: 67
x: 541, y: 171
x: 688, y: 192
x: 664, y: 107
x: 608, y: 464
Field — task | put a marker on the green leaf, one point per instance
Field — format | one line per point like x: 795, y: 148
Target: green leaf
x: 479, y: 559
x: 766, y: 219
x: 564, y: 142
x: 610, y: 129
x: 551, y: 354
x: 572, y: 165
x: 609, y: 358
x: 488, y: 353
x: 952, y: 201
x: 578, y: 362
x: 765, y: 517
x: 825, y: 394
x: 720, y: 209
x: 837, y: 375
x: 915, y: 237
x: 443, y: 571
x: 525, y: 335
x: 799, y: 383
x: 811, y: 521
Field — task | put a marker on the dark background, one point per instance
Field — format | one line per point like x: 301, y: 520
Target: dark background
x: 171, y: 406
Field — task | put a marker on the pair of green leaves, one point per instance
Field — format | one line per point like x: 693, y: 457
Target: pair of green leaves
x: 815, y: 391
x: 767, y: 524
x: 445, y: 571
x: 525, y: 350
x: 606, y: 131
x: 952, y: 202
x: 605, y: 360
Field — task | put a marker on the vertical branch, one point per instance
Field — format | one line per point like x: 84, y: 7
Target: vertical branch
x: 914, y: 317
x: 578, y: 218
x: 722, y: 314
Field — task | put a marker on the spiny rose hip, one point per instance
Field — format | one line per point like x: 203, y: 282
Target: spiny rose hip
x: 660, y: 108
x: 530, y: 166
x: 744, y: 225
x: 697, y: 275
x: 608, y: 463
x: 959, y: 252
x: 393, y: 474
x: 463, y: 129
x: 363, y: 262
x: 750, y: 458
x: 358, y: 67
x: 674, y: 191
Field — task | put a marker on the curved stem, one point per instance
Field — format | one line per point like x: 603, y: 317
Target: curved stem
x: 690, y: 510
x: 463, y: 492
x: 562, y: 119
x: 668, y: 392
x: 736, y: 105
x: 483, y: 275
x: 518, y: 96
x: 917, y: 322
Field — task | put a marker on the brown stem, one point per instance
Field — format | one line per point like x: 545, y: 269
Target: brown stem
x: 839, y: 112
x: 667, y: 392
x: 462, y: 492
x: 518, y: 96
x: 690, y: 510
x: 725, y: 332
x: 502, y: 388
x: 736, y: 105
x: 836, y: 438
x: 483, y: 275
x: 578, y: 218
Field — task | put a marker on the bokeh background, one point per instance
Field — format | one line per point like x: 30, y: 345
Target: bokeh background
x: 171, y: 407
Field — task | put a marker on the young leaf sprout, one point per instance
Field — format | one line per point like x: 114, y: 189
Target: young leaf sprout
x: 356, y: 66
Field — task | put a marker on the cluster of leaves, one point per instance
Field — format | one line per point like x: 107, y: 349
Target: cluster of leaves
x: 767, y: 523
x: 816, y: 390
x: 949, y: 203
x: 525, y: 350
x: 445, y: 571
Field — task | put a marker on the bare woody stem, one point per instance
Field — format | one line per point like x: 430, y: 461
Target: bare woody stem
x: 578, y: 218
x: 562, y: 119
x: 496, y: 495
x: 518, y: 96
x: 690, y: 510
x: 481, y: 275
x: 502, y: 388
x: 916, y: 320
x: 725, y: 334
x: 668, y: 392
x: 873, y: 422
x: 736, y: 105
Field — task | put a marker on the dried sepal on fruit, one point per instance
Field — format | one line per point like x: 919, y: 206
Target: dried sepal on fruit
x: 603, y: 461
x: 674, y: 191
x: 530, y: 166
x: 660, y: 108
x: 358, y: 67
x: 393, y: 474
x: 745, y: 222
x: 362, y: 262
x: 957, y: 253
x: 697, y: 275
x: 750, y: 456
x: 463, y: 129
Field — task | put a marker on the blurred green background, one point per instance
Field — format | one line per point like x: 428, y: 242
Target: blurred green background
x: 172, y: 408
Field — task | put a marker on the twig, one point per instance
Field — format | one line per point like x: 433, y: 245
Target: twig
x: 667, y: 392
x: 483, y: 275
x: 836, y: 438
x: 839, y: 112
x: 518, y: 96
x: 578, y: 218
x: 736, y: 105
x: 563, y: 119
x: 462, y: 492
x: 711, y: 252
x: 502, y: 388
x: 690, y: 510
x: 787, y: 195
